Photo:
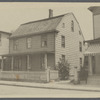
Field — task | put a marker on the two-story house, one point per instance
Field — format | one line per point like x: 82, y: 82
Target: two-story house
x: 38, y: 45
x: 4, y: 44
x: 92, y: 53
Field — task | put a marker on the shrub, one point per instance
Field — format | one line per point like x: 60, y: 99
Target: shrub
x: 63, y: 69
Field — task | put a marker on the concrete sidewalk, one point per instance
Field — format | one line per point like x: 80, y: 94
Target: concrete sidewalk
x: 64, y: 85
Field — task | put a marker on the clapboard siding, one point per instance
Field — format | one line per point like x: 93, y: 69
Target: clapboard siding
x: 4, y: 45
x: 97, y: 26
x: 71, y: 50
x: 36, y: 44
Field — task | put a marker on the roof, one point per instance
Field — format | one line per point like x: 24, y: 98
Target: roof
x: 93, y: 49
x: 94, y: 40
x: 95, y: 9
x: 37, y: 27
x: 5, y: 32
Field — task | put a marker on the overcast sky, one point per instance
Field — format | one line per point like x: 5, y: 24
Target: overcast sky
x: 14, y: 14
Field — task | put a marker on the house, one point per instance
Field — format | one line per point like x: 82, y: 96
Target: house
x: 4, y: 44
x: 92, y: 53
x: 37, y: 46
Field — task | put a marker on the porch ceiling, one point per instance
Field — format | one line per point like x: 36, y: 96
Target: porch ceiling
x: 27, y: 53
x: 93, y: 49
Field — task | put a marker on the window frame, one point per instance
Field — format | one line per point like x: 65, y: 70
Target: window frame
x: 62, y: 41
x: 79, y: 32
x: 80, y: 46
x: 44, y: 42
x: 29, y: 43
x: 15, y: 44
x: 81, y: 62
x: 63, y: 57
x: 72, y: 25
x: 63, y: 25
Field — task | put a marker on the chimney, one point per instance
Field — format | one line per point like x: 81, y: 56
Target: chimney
x: 50, y: 13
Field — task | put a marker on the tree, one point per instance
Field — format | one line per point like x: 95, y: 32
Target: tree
x: 63, y: 69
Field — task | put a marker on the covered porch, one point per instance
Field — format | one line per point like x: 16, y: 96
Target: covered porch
x: 29, y: 67
x: 92, y: 59
x: 92, y: 63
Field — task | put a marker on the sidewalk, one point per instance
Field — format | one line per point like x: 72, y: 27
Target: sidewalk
x: 64, y: 85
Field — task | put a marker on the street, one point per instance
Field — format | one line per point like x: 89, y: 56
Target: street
x: 14, y: 91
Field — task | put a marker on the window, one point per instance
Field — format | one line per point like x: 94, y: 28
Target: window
x: 44, y: 40
x: 86, y: 60
x: 63, y: 57
x: 80, y: 62
x: 72, y: 26
x: 84, y: 43
x: 29, y: 42
x: 63, y: 25
x: 79, y: 32
x: 80, y: 46
x: 63, y: 41
x: 15, y: 44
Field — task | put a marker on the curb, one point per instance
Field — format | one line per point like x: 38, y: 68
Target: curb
x: 46, y: 87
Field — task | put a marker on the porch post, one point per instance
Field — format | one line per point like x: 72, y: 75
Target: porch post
x: 2, y: 64
x: 46, y: 68
x: 12, y: 63
x: 28, y: 65
x: 45, y: 60
x: 90, y: 65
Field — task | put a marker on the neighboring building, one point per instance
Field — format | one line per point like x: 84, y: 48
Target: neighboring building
x: 38, y: 45
x: 92, y: 53
x: 4, y: 44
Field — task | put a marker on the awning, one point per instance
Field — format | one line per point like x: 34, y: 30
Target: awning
x: 93, y: 49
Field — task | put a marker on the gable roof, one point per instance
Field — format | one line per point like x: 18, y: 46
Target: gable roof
x: 38, y: 27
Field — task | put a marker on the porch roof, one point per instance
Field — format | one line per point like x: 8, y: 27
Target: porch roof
x: 26, y: 53
x: 93, y: 49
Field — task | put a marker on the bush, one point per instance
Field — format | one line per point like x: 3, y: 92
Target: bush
x: 63, y: 69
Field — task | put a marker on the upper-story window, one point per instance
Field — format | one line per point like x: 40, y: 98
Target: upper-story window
x: 44, y: 40
x: 80, y: 62
x: 80, y: 46
x: 79, y: 32
x: 63, y: 57
x: 29, y: 42
x: 72, y: 26
x: 63, y: 41
x: 63, y: 25
x: 15, y: 44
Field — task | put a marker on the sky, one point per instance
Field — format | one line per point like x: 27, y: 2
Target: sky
x: 13, y: 14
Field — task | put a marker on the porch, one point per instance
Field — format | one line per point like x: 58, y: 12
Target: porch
x: 92, y: 63
x: 39, y: 67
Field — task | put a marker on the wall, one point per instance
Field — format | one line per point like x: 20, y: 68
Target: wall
x: 36, y: 44
x: 96, y: 26
x: 72, y: 39
x: 4, y: 45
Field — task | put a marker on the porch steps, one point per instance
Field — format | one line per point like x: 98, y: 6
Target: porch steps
x: 93, y: 80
